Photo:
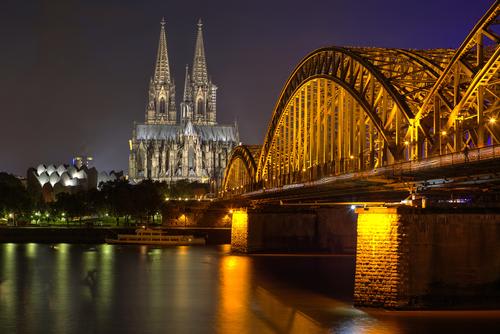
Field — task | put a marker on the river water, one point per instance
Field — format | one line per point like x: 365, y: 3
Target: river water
x: 67, y: 288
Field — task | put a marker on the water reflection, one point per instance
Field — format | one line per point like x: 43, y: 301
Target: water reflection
x: 112, y: 289
x: 234, y: 290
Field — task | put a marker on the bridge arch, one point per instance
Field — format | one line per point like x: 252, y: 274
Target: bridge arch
x: 463, y: 104
x: 350, y: 104
x: 239, y: 176
x: 345, y: 109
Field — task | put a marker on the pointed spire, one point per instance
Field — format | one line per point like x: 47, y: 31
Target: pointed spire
x: 187, y: 83
x: 162, y: 68
x: 200, y: 74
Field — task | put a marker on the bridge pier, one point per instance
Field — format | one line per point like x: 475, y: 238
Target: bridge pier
x: 411, y: 258
x: 293, y: 229
x: 405, y: 257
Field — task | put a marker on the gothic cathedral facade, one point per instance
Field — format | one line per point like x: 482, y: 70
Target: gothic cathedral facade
x: 189, y: 145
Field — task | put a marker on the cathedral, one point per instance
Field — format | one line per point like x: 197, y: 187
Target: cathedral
x: 185, y: 145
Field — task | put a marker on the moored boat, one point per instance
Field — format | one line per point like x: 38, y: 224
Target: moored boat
x: 147, y: 236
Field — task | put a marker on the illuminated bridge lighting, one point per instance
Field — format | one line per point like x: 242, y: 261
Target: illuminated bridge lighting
x: 353, y: 109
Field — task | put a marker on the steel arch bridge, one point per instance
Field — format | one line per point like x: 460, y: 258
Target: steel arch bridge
x: 239, y: 175
x: 344, y: 110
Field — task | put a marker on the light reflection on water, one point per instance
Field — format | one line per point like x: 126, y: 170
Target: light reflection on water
x: 113, y: 289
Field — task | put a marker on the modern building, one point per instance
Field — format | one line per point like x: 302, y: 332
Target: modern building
x: 171, y: 146
x: 50, y: 180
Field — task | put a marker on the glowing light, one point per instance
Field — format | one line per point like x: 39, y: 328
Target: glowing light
x: 182, y: 250
x: 374, y: 229
x: 167, y: 199
x: 353, y: 207
x: 443, y: 133
x: 231, y: 262
x: 492, y: 120
x: 239, y: 231
x: 351, y: 157
x: 31, y: 250
x: 11, y: 215
x: 407, y: 142
x: 230, y: 210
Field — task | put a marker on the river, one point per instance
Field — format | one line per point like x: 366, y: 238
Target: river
x: 73, y: 288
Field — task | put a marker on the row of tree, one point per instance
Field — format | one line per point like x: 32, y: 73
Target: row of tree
x: 14, y: 199
x: 140, y: 202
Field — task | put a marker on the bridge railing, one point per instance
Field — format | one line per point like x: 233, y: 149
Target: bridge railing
x: 325, y: 174
x: 467, y: 156
x: 406, y: 168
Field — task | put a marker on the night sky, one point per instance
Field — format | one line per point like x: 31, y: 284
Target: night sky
x: 74, y: 74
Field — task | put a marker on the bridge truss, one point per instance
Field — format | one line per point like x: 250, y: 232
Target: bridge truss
x: 344, y: 110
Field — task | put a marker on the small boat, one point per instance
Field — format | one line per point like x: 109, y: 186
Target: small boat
x: 147, y: 236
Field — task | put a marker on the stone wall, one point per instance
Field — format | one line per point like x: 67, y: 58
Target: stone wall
x: 423, y: 258
x: 381, y: 259
x: 294, y: 230
x: 239, y: 231
x: 194, y: 213
x: 454, y: 257
x: 337, y: 229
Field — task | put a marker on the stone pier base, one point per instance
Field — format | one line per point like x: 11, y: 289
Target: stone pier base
x: 292, y: 229
x: 239, y: 231
x: 411, y: 258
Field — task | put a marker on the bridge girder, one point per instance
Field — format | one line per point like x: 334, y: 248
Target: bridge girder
x: 386, y: 84
x: 348, y: 109
x: 239, y: 175
x: 463, y: 102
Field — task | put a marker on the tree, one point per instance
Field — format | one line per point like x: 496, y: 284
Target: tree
x: 73, y: 205
x: 13, y: 196
x: 148, y: 198
x: 117, y: 198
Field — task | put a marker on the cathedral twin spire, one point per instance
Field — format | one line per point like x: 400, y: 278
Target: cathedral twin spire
x: 162, y: 68
x: 198, y: 103
x: 200, y: 74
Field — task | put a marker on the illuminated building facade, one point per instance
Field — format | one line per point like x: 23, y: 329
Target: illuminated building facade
x: 171, y: 147
x: 50, y: 180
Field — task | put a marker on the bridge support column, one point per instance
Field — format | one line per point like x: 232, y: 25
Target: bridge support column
x: 294, y: 229
x: 381, y: 259
x: 411, y: 258
x: 239, y: 231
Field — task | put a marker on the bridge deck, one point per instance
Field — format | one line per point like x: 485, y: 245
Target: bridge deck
x: 455, y: 171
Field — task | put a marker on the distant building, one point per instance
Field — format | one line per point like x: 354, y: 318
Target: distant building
x: 51, y: 180
x: 171, y: 147
x: 81, y: 161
